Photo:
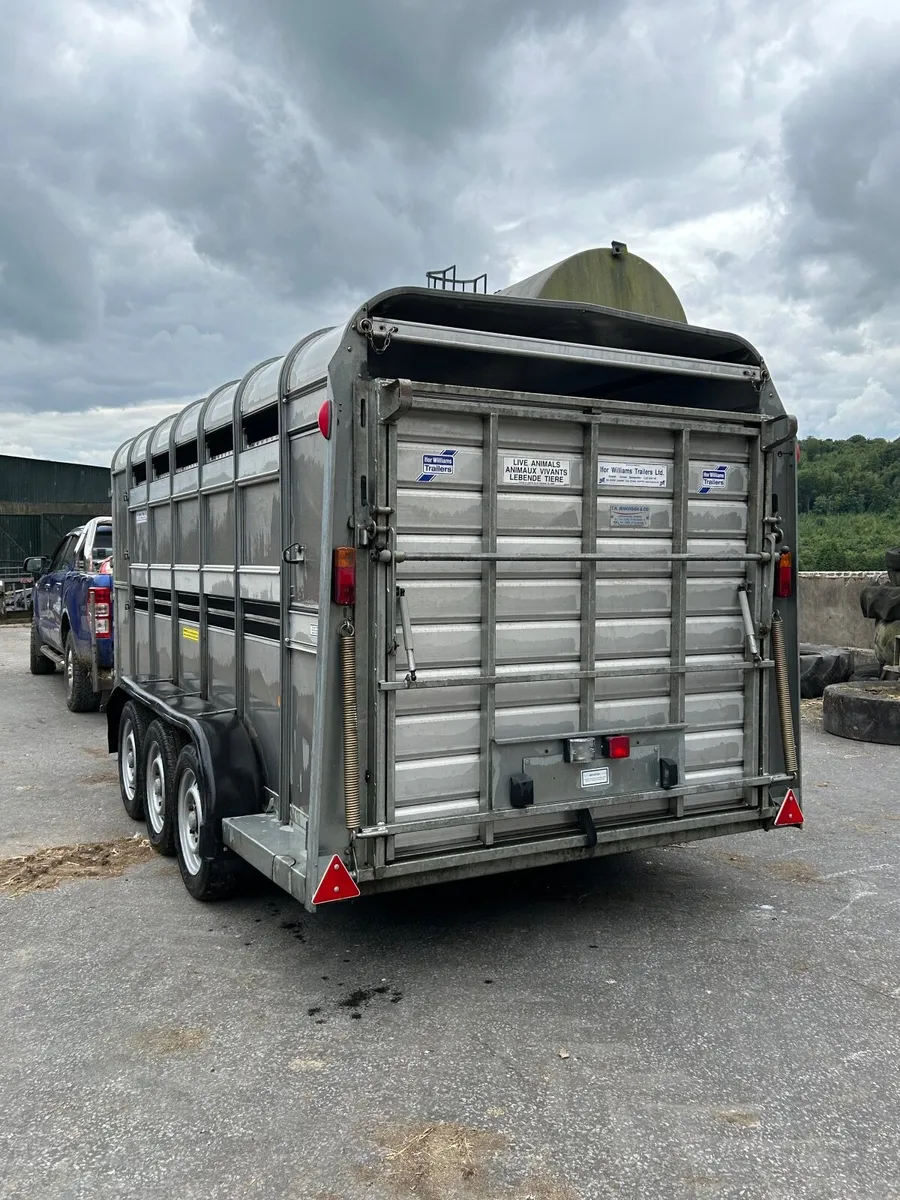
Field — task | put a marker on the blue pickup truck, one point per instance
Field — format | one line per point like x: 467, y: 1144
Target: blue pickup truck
x: 72, y: 621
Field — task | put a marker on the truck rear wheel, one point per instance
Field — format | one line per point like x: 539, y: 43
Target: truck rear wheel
x: 80, y: 694
x: 40, y: 664
x: 161, y: 748
x: 217, y: 878
x: 132, y: 729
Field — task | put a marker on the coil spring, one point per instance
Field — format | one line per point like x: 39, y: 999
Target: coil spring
x: 783, y: 689
x: 351, y: 741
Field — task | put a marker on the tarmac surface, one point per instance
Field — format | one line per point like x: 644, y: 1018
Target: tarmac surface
x: 719, y: 1020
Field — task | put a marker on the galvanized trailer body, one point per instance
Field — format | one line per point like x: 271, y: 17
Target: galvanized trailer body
x: 566, y: 526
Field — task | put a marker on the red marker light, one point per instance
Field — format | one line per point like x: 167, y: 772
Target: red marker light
x: 616, y: 747
x: 100, y: 601
x: 344, y: 576
x: 784, y: 576
x: 325, y: 420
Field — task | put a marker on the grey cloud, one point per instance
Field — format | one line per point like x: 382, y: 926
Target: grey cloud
x: 842, y: 146
x: 47, y: 286
x: 390, y: 70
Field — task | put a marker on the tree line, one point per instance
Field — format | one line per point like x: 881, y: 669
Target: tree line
x: 849, y: 501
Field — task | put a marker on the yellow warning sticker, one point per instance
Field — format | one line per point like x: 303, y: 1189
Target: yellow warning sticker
x: 192, y: 635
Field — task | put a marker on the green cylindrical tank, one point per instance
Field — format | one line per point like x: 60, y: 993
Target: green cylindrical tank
x: 613, y: 278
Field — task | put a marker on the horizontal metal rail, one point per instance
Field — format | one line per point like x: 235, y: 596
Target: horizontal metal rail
x: 576, y: 352
x: 424, y: 391
x: 629, y: 672
x: 500, y: 556
x: 427, y: 824
x: 654, y: 831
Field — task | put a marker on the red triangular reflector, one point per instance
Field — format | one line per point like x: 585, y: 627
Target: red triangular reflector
x: 789, y: 813
x: 337, y: 884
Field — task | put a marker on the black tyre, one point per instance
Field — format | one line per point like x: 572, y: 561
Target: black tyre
x: 40, y: 664
x: 132, y: 730
x: 161, y: 748
x: 217, y: 878
x: 80, y: 694
x: 866, y: 712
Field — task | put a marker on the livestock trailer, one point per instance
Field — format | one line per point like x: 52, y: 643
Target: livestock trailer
x: 472, y: 583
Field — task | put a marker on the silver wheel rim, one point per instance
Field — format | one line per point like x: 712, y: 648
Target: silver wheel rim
x: 128, y: 760
x: 190, y: 818
x: 155, y: 789
x: 70, y: 671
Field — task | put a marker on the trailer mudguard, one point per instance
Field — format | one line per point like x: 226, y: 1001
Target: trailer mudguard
x: 229, y: 762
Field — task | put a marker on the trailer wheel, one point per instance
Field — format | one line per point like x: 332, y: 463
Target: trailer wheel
x: 866, y: 712
x: 132, y: 728
x: 80, y: 694
x: 161, y: 747
x: 206, y: 879
x: 40, y: 664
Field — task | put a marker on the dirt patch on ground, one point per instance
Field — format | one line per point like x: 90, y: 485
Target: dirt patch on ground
x: 790, y: 870
x: 46, y: 869
x: 811, y: 711
x: 745, y: 1118
x: 95, y: 751
x: 449, y: 1162
x: 172, y: 1041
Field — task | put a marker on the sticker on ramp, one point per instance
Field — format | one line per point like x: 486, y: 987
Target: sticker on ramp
x: 632, y: 474
x: 537, y: 472
x: 712, y: 479
x: 629, y: 516
x: 434, y: 465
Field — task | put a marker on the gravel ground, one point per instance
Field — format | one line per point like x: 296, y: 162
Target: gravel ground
x: 719, y: 1020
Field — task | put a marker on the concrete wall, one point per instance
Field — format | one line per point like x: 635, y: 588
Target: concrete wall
x: 829, y: 607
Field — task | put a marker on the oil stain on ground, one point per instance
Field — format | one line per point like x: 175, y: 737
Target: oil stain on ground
x: 47, y: 869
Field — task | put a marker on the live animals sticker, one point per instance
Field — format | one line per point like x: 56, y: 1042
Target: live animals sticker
x: 632, y: 474
x: 538, y: 472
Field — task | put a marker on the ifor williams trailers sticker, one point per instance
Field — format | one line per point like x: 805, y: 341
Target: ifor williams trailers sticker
x: 713, y: 478
x: 632, y: 474
x: 434, y: 465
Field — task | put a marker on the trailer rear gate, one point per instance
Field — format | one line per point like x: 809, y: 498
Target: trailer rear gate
x: 566, y: 572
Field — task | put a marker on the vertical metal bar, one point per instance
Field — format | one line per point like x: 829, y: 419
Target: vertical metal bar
x: 390, y: 578
x: 489, y: 445
x: 285, y: 687
x: 766, y: 599
x: 589, y: 485
x: 239, y: 644
x: 367, y: 669
x: 753, y: 796
x: 681, y: 474
x: 379, y: 488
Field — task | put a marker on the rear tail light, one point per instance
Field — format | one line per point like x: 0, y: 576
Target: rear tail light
x: 784, y: 576
x: 344, y: 576
x: 616, y: 747
x: 100, y: 599
x: 325, y: 420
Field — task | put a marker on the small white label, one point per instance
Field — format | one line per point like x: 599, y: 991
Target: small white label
x: 539, y: 472
x: 314, y: 631
x: 595, y: 777
x: 633, y: 474
x: 713, y: 478
x: 140, y: 518
x: 629, y: 516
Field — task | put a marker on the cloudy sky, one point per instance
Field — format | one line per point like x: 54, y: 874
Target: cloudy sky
x: 187, y: 188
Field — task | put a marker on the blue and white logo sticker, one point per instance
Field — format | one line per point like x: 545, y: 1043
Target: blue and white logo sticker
x: 712, y: 479
x: 436, y: 464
